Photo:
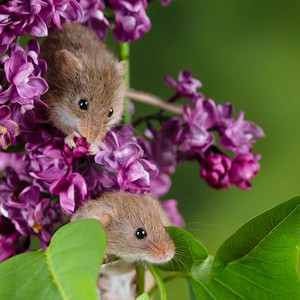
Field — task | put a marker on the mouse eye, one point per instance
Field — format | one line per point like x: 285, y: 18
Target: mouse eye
x: 111, y: 111
x: 140, y: 233
x: 83, y: 104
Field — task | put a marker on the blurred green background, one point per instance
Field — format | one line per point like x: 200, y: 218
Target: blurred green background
x: 245, y: 52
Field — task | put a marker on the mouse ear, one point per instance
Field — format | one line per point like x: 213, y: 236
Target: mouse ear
x: 92, y: 210
x: 67, y: 63
x: 122, y: 66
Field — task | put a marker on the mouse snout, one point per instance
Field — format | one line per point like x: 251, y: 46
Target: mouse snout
x: 92, y: 132
x: 167, y: 254
x: 164, y: 252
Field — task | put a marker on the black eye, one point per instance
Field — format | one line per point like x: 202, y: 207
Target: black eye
x: 111, y: 111
x: 140, y: 233
x: 83, y: 104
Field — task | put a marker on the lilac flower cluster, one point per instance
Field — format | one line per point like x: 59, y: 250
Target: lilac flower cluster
x: 25, y: 85
x: 18, y: 17
x: 196, y: 140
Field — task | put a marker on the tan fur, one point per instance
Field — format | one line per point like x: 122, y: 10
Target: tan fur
x: 80, y: 66
x: 121, y: 214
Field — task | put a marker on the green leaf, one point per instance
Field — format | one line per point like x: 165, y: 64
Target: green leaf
x: 201, y: 269
x: 68, y: 269
x: 260, y: 260
x: 144, y: 296
x: 188, y: 251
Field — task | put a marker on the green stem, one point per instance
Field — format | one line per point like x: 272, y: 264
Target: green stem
x: 169, y: 278
x: 159, y: 282
x: 124, y: 54
x: 140, y: 280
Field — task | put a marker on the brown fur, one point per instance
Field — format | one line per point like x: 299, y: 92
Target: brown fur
x: 80, y: 66
x: 121, y: 214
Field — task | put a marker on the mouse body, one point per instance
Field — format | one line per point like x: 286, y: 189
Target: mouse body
x: 86, y: 84
x: 135, y: 226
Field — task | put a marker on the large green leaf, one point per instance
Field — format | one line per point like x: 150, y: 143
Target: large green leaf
x: 68, y: 269
x: 259, y: 261
x: 188, y: 251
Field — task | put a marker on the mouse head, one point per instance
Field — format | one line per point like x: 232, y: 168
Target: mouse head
x: 89, y: 95
x: 134, y: 225
x: 138, y: 232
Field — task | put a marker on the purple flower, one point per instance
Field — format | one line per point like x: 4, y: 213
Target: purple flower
x: 16, y: 161
x: 240, y: 135
x: 131, y: 19
x: 165, y: 2
x: 66, y: 9
x: 47, y: 161
x: 16, y: 19
x: 10, y: 243
x: 215, y: 171
x: 94, y: 18
x: 205, y: 114
x: 160, y: 185
x: 225, y: 112
x: 244, y: 167
x: 195, y: 139
x: 18, y: 72
x: 30, y: 215
x: 135, y: 176
x: 8, y: 128
x: 72, y: 192
x: 117, y: 148
x: 81, y: 149
x: 170, y: 207
x: 187, y: 85
x: 92, y: 174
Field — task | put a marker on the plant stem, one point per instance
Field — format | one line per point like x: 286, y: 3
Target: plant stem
x: 140, y: 280
x: 159, y: 282
x: 167, y: 279
x: 154, y: 101
x: 124, y: 54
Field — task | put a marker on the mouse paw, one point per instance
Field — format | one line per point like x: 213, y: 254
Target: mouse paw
x: 69, y: 139
x: 93, y: 149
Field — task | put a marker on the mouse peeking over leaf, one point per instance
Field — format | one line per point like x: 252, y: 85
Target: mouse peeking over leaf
x: 135, y: 226
x: 86, y: 84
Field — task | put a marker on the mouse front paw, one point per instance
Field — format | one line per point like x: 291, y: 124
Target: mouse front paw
x: 69, y: 139
x: 93, y: 149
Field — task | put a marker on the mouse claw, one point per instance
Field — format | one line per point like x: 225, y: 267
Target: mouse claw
x: 93, y: 149
x: 69, y: 139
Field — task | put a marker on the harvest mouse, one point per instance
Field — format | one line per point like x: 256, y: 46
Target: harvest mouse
x: 134, y: 225
x: 86, y: 84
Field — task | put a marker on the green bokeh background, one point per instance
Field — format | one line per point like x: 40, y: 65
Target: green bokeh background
x: 245, y: 52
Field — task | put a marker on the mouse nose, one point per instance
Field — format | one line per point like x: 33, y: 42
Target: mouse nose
x: 167, y: 254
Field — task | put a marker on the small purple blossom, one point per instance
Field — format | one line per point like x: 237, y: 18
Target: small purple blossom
x: 58, y: 10
x: 8, y: 128
x: 10, y: 243
x: 244, y: 167
x: 186, y: 86
x: 94, y: 18
x: 136, y: 175
x: 81, y: 149
x: 47, y: 161
x: 170, y: 207
x: 215, y: 171
x: 118, y: 148
x: 240, y: 135
x: 131, y: 19
x: 72, y: 192
x: 24, y: 87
